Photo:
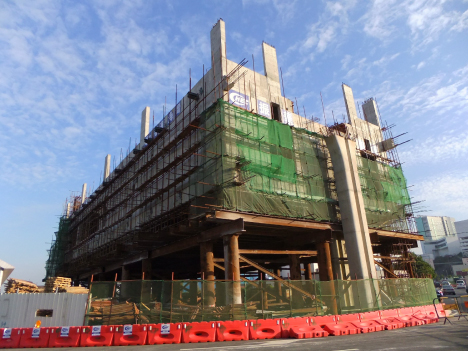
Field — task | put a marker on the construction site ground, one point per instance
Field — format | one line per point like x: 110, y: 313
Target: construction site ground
x: 426, y: 337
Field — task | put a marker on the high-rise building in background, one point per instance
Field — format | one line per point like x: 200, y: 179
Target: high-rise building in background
x: 462, y: 233
x: 440, y: 235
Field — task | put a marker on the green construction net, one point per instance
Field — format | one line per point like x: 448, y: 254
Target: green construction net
x: 385, y: 194
x: 144, y: 302
x: 260, y: 165
x: 57, y: 249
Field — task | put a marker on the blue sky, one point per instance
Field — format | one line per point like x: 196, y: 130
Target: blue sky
x: 75, y: 76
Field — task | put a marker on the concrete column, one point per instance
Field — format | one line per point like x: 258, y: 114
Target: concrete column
x: 279, y: 285
x: 145, y: 123
x: 107, y: 163
x: 324, y: 261
x: 83, y: 193
x: 294, y: 267
x: 207, y: 268
x: 146, y: 269
x: 232, y: 268
x: 353, y: 214
x: 270, y: 63
x: 218, y: 55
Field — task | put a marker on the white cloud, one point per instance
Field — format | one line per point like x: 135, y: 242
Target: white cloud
x: 444, y: 194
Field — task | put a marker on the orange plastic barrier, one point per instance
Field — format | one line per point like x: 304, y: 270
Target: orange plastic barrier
x: 440, y: 310
x: 391, y: 316
x: 232, y: 330
x: 376, y: 321
x: 10, y: 338
x: 300, y: 328
x: 265, y: 329
x: 34, y: 337
x: 419, y: 312
x: 431, y: 313
x: 97, y: 335
x: 65, y: 337
x: 367, y: 326
x: 128, y: 334
x: 406, y: 315
x: 164, y: 333
x: 199, y: 332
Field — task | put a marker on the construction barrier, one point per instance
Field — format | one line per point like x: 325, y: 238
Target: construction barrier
x: 265, y: 329
x: 34, y: 337
x: 391, y: 316
x: 65, y: 337
x: 300, y: 328
x: 199, y: 332
x: 355, y: 320
x: 374, y: 319
x: 170, y: 333
x: 406, y: 314
x: 129, y: 335
x: 10, y: 338
x: 420, y: 313
x: 97, y: 335
x: 232, y: 331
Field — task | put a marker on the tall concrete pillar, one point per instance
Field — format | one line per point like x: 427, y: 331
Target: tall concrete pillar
x: 353, y: 214
x: 145, y: 124
x: 232, y: 268
x: 83, y: 193
x: 107, y: 163
x: 294, y: 267
x: 218, y: 55
x: 308, y: 271
x: 207, y: 268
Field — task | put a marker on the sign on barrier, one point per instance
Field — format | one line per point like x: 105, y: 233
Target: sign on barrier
x: 165, y: 329
x: 96, y: 331
x: 64, y: 332
x: 36, y: 333
x: 6, y: 333
x: 127, y: 330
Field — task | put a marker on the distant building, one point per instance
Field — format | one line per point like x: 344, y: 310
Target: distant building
x: 462, y: 232
x: 440, y: 235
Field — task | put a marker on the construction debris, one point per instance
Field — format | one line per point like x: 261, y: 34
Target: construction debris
x: 18, y: 286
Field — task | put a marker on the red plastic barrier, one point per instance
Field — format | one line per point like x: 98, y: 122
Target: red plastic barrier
x: 97, y: 335
x: 391, y: 316
x: 232, y: 330
x: 130, y: 334
x: 300, y: 328
x: 199, y: 332
x: 164, y: 333
x: 265, y: 329
x: 406, y: 315
x: 34, y: 337
x: 10, y: 338
x: 65, y: 337
x: 431, y: 313
x: 419, y: 312
x: 363, y: 326
x: 440, y: 310
x: 375, y: 320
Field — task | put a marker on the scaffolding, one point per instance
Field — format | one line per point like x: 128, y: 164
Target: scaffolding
x: 57, y: 249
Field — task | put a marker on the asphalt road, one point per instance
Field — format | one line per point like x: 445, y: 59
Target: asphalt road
x: 426, y: 337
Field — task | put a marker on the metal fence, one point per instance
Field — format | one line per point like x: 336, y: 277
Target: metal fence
x: 157, y: 301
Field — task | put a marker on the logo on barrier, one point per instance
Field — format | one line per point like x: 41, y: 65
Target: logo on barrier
x: 127, y: 329
x: 96, y: 331
x: 64, y: 332
x: 36, y: 332
x: 165, y: 328
x: 6, y: 333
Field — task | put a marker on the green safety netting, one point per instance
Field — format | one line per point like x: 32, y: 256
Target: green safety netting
x: 57, y: 248
x: 148, y: 301
x: 385, y: 194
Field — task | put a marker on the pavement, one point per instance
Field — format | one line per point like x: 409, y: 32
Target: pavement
x: 452, y: 337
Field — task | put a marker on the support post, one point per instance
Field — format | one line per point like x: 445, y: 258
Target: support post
x: 107, y: 164
x: 232, y: 268
x: 294, y: 267
x: 207, y: 269
x: 324, y: 261
x: 308, y: 271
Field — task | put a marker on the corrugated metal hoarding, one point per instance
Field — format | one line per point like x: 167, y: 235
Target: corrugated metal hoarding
x: 53, y: 310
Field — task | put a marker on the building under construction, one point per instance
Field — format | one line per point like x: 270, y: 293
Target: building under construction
x: 234, y: 182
